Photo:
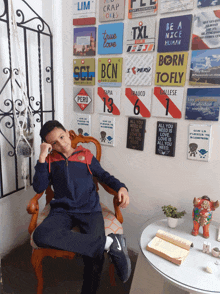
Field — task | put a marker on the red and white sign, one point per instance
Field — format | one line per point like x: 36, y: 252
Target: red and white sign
x: 167, y: 102
x: 138, y: 102
x: 110, y: 100
x: 82, y: 99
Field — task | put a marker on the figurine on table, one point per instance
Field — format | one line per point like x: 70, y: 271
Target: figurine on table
x: 202, y: 214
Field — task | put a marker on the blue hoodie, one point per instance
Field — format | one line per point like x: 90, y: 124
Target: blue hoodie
x: 72, y: 180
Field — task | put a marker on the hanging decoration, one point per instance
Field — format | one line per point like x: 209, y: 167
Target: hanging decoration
x: 23, y: 117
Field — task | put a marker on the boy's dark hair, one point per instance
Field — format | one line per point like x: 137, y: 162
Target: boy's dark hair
x: 49, y: 126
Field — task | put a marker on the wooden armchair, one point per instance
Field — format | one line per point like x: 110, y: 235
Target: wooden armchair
x: 112, y: 220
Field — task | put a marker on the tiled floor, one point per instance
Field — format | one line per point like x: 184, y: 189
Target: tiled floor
x: 61, y: 276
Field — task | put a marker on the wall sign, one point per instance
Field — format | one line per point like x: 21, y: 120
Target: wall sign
x: 205, y: 3
x: 167, y: 6
x: 203, y: 104
x: 110, y: 72
x: 83, y: 124
x: 171, y: 69
x: 138, y: 70
x: 138, y: 102
x: 204, y: 69
x: 107, y: 130
x: 109, y: 102
x: 174, y: 33
x: 199, y: 147
x: 110, y: 38
x: 166, y: 138
x: 84, y: 41
x: 84, y: 12
x: 167, y: 102
x: 83, y: 99
x: 84, y: 71
x: 110, y: 10
x: 141, y: 35
x: 140, y: 8
x: 206, y: 30
x: 136, y: 133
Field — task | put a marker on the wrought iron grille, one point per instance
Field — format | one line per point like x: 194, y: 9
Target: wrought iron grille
x: 37, y: 57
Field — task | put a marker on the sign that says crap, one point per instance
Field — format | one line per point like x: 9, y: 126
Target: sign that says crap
x: 84, y: 71
x: 110, y: 72
x: 171, y: 69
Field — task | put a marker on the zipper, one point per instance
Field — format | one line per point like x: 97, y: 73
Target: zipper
x: 66, y: 161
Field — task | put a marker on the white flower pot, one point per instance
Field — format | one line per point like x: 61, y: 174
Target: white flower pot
x: 172, y: 222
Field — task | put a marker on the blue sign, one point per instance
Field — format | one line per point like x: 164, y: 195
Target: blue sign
x: 205, y: 3
x: 110, y: 38
x: 174, y: 33
x: 203, y: 104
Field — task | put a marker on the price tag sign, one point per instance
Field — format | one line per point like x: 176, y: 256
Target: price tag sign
x: 138, y: 102
x: 109, y: 102
x: 167, y: 102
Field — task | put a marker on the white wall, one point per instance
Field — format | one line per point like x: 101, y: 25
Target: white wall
x: 153, y: 180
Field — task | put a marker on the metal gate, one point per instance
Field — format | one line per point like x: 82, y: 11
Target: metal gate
x: 37, y: 57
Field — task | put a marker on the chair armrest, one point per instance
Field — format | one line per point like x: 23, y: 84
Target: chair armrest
x: 118, y: 213
x: 33, y: 208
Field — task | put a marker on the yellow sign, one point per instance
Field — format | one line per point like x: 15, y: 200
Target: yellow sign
x: 171, y: 69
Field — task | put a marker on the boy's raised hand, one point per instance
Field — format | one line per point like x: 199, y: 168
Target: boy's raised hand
x: 44, y: 149
x: 123, y: 197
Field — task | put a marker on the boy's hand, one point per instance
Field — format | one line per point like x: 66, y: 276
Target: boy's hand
x: 45, y: 148
x: 123, y: 197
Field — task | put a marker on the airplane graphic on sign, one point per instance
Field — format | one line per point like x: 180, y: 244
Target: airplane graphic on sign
x: 167, y: 102
x: 110, y: 101
x: 138, y: 102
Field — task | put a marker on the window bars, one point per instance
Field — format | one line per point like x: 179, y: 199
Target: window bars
x: 37, y: 60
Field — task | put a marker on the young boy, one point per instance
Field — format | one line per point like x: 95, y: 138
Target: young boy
x: 76, y: 202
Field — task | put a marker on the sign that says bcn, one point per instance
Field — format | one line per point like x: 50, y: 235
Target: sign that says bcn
x: 171, y: 69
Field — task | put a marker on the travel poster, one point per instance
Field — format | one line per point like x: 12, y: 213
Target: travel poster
x: 84, y: 41
x: 140, y: 35
x: 168, y: 6
x: 108, y: 100
x: 138, y: 102
x: 110, y: 38
x: 138, y: 70
x: 203, y: 104
x: 206, y: 3
x: 139, y: 8
x: 107, y: 130
x: 174, y: 33
x: 83, y: 99
x: 82, y: 124
x: 199, y: 143
x: 111, y: 10
x: 84, y: 12
x: 84, y: 71
x: 171, y: 69
x: 167, y: 102
x: 206, y: 28
x: 110, y: 72
x: 205, y: 67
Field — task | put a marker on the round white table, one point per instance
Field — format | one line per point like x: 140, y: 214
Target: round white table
x: 191, y: 275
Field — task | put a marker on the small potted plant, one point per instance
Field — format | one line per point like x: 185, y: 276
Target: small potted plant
x: 172, y: 215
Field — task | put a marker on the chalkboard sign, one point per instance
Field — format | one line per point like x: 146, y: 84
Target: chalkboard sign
x: 166, y: 138
x: 136, y: 131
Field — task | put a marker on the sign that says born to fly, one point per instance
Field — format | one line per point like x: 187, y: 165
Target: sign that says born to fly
x: 141, y: 35
x: 139, y: 8
x: 171, y: 69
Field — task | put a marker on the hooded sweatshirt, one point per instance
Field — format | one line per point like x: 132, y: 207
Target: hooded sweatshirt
x: 72, y: 180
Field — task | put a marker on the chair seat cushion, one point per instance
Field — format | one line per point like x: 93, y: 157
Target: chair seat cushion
x: 112, y: 225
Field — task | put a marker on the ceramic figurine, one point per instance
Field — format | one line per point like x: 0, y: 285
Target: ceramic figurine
x: 202, y: 214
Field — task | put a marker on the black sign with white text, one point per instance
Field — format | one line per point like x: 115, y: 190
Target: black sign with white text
x: 166, y: 138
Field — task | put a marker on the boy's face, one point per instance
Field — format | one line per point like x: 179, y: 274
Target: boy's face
x: 60, y: 141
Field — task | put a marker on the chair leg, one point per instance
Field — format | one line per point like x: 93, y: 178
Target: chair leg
x: 36, y: 261
x: 112, y: 274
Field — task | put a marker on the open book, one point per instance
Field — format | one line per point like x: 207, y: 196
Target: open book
x: 170, y: 247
